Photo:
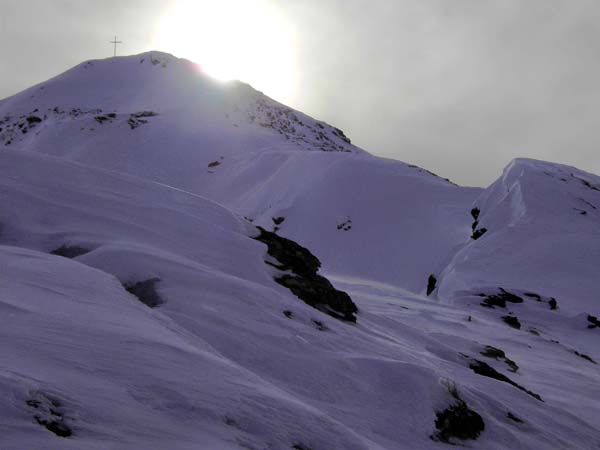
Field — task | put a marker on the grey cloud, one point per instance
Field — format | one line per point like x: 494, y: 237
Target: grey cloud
x: 459, y: 87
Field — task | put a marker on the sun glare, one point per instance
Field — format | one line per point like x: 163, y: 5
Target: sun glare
x: 247, y: 40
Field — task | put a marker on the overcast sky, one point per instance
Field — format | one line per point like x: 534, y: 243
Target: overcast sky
x: 459, y: 87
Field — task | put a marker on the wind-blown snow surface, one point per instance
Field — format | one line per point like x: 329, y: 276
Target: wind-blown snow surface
x: 219, y: 365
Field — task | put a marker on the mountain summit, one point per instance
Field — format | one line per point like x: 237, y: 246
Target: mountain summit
x: 190, y: 264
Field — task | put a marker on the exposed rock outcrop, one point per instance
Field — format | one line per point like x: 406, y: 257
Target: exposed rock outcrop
x: 484, y: 369
x: 299, y: 274
x: 457, y: 421
x: 146, y: 292
x: 431, y: 284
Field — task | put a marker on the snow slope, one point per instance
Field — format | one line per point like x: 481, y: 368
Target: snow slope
x: 233, y: 360
x: 543, y: 223
x: 261, y: 159
x: 218, y: 365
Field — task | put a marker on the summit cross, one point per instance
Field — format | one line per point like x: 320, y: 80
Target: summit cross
x: 115, y: 42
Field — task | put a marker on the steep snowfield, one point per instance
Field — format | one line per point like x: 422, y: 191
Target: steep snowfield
x: 228, y: 358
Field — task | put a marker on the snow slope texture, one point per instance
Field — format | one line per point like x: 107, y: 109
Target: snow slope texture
x: 143, y: 190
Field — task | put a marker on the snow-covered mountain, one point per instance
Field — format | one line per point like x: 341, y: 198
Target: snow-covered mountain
x: 190, y: 264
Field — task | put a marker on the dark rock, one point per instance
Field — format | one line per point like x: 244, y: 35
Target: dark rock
x: 500, y: 299
x: 287, y: 313
x: 290, y: 255
x: 144, y: 114
x: 33, y: 120
x: 510, y: 297
x: 278, y: 220
x: 345, y: 226
x: 137, y: 119
x: 493, y: 352
x: 512, y: 321
x: 70, y: 251
x: 475, y: 214
x: 319, y: 325
x: 478, y: 233
x: 134, y: 123
x: 319, y: 293
x: 214, y: 164
x: 497, y: 354
x: 586, y: 357
x: 55, y: 426
x: 458, y: 421
x: 537, y: 297
x: 300, y: 446
x: 514, y: 418
x: 339, y: 133
x: 431, y: 283
x: 485, y: 370
x: 231, y: 422
x: 111, y: 115
x: 304, y: 281
x: 593, y: 320
x: 48, y: 413
x: 512, y: 366
x: 586, y: 183
x: 145, y: 291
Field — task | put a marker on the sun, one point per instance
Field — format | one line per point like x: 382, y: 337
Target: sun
x: 247, y: 40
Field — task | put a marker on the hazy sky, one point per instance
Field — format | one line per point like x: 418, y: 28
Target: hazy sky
x: 459, y: 87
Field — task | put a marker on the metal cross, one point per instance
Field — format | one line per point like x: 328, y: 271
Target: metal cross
x: 115, y: 42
